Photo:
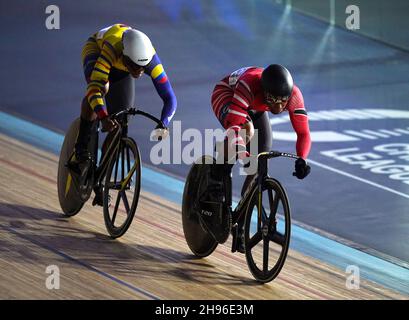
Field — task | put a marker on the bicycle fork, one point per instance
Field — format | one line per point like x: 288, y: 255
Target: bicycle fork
x: 240, y: 211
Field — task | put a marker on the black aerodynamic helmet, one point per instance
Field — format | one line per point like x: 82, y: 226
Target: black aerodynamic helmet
x: 277, y: 81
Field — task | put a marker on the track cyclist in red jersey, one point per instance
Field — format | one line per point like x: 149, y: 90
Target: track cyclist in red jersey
x: 241, y: 102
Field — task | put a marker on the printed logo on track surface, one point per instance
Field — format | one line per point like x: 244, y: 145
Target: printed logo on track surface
x: 373, y: 140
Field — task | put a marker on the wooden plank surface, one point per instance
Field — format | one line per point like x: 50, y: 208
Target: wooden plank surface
x: 151, y: 261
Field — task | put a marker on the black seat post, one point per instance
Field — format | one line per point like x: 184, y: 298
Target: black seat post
x: 124, y: 124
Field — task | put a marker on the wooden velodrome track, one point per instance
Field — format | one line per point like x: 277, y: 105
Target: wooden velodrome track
x: 151, y: 261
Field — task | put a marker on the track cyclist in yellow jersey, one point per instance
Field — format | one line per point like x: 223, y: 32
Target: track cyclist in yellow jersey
x: 112, y: 58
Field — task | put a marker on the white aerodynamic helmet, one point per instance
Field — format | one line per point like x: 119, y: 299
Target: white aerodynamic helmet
x: 138, y: 47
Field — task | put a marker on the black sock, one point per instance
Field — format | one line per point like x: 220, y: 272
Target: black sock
x: 84, y: 133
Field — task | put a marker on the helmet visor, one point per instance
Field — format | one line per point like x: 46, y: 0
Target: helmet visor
x: 128, y: 61
x: 134, y: 69
x: 271, y: 99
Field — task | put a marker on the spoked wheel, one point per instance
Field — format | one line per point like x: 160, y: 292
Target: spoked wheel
x: 121, y: 188
x: 200, y: 242
x: 267, y: 231
x: 69, y: 194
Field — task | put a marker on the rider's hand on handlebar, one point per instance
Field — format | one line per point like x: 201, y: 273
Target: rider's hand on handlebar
x: 108, y: 124
x: 302, y: 169
x: 160, y: 133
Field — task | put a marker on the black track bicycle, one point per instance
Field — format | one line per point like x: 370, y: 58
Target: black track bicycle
x: 117, y: 174
x: 261, y: 220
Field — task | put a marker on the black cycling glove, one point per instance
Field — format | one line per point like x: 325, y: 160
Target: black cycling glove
x: 301, y: 168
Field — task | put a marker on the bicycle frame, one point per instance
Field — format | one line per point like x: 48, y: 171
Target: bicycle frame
x: 257, y: 182
x: 122, y: 132
x: 100, y: 169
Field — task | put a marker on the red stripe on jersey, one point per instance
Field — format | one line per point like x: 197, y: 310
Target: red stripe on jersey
x: 239, y: 101
x: 101, y: 111
x: 91, y: 92
x: 244, y: 92
x: 220, y: 102
x: 299, y: 123
x: 104, y: 65
x: 221, y: 97
x: 163, y: 80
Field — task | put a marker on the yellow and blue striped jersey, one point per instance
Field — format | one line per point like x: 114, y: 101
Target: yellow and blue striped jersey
x: 102, y: 52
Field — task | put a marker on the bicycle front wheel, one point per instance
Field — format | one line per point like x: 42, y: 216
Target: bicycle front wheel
x: 267, y: 231
x: 122, y: 187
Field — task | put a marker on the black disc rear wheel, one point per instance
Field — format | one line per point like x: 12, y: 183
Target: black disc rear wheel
x: 200, y: 242
x: 267, y: 231
x: 69, y: 195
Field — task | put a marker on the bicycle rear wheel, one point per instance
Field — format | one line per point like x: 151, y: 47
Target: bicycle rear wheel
x: 122, y: 187
x: 69, y: 195
x: 200, y: 242
x: 267, y: 231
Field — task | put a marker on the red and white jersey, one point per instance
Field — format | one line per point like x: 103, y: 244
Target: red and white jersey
x: 241, y: 91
